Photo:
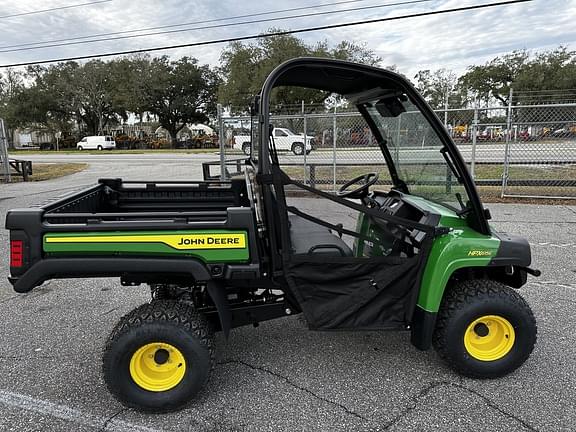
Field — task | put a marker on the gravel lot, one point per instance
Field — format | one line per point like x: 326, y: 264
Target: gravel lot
x: 281, y: 376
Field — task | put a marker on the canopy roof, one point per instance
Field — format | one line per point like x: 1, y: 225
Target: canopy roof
x: 334, y: 76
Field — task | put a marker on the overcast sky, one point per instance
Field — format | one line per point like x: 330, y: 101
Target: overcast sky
x: 453, y: 40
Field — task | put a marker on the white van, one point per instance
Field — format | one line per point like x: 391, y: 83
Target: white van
x: 96, y: 143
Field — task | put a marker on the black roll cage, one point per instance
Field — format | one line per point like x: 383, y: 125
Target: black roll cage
x: 345, y: 78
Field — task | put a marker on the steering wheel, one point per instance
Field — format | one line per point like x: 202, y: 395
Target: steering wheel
x: 364, y: 182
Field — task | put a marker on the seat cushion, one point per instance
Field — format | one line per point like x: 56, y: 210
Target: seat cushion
x: 308, y: 237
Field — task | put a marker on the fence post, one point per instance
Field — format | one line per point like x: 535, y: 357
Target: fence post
x: 397, y: 149
x: 221, y: 143
x: 4, y: 152
x: 313, y: 175
x: 448, y: 170
x: 334, y: 150
x: 474, y: 138
x: 507, y: 146
x: 305, y: 141
x: 446, y: 107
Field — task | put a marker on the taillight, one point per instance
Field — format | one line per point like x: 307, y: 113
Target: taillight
x: 16, y: 253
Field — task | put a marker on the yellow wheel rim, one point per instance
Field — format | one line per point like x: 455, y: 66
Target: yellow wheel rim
x: 489, y: 338
x: 157, y: 366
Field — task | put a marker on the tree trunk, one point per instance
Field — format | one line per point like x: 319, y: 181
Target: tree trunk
x: 172, y: 135
x: 10, y: 138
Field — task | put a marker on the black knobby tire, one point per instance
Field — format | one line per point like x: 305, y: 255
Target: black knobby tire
x: 467, y: 302
x: 246, y: 149
x: 162, y: 321
x: 298, y: 149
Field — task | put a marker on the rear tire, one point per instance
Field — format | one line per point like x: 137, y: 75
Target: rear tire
x: 159, y: 356
x: 484, y: 329
x: 298, y: 149
x: 246, y: 147
x: 99, y: 148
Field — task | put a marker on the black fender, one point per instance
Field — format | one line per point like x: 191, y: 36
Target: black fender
x: 65, y: 268
x: 218, y: 294
x: 422, y: 328
x: 69, y: 268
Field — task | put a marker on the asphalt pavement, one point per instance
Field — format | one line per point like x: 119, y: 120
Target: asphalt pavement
x: 281, y: 376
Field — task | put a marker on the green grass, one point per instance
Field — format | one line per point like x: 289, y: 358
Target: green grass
x: 96, y: 152
x: 482, y: 172
x: 42, y: 172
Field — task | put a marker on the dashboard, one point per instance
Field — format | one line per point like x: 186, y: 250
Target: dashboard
x: 394, y: 204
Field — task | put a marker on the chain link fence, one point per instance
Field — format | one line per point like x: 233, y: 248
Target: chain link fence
x: 524, y: 150
x: 4, y: 161
x: 540, y: 154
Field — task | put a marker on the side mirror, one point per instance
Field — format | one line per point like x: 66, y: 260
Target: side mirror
x: 390, y: 106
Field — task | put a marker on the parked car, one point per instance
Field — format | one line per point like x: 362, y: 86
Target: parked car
x: 103, y: 142
x: 284, y: 139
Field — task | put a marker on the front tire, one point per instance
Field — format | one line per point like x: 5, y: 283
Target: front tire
x: 484, y: 329
x: 159, y: 356
x: 298, y: 149
x: 80, y: 148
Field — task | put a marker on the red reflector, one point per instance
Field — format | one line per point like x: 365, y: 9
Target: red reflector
x: 16, y: 253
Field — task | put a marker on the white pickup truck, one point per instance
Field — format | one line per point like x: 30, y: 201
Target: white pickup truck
x: 284, y: 139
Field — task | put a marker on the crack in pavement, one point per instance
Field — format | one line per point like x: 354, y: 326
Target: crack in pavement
x: 111, y: 418
x: 9, y: 298
x: 296, y: 386
x: 494, y: 406
x: 110, y: 311
x: 569, y: 209
x: 417, y: 399
x: 548, y: 284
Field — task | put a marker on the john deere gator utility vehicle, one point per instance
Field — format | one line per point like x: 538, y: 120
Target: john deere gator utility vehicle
x: 219, y: 255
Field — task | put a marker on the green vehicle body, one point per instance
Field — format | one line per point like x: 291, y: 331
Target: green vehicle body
x: 216, y: 254
x: 205, y: 245
x: 462, y: 247
x: 100, y: 233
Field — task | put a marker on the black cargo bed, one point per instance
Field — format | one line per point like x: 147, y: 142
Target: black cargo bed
x: 117, y: 200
